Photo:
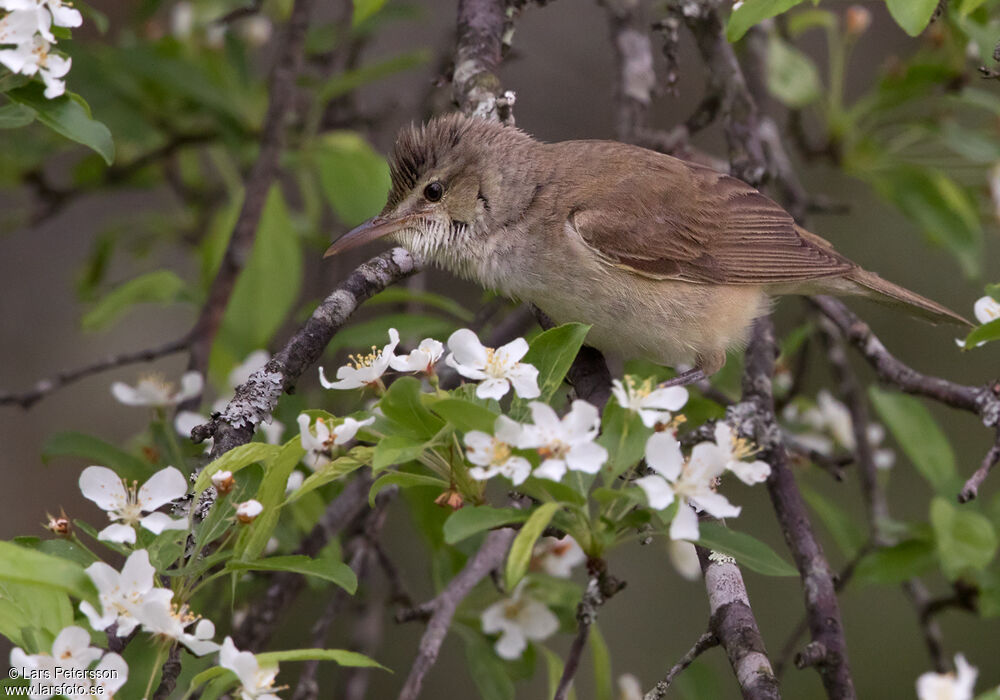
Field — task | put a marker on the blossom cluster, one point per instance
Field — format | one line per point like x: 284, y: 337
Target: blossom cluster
x: 27, y: 27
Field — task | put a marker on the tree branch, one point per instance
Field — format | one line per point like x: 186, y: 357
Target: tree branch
x: 732, y: 623
x: 756, y: 419
x: 704, y: 643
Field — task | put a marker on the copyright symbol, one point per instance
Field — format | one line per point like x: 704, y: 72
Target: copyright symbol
x: 14, y: 672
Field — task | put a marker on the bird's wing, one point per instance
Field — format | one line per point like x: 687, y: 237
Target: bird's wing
x: 677, y: 220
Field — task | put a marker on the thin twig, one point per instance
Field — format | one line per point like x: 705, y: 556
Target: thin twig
x: 489, y: 556
x: 45, y: 387
x: 992, y: 458
x: 704, y: 643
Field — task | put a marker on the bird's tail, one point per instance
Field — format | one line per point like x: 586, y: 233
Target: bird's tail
x: 885, y: 292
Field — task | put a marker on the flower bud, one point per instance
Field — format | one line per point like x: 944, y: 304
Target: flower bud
x: 248, y: 511
x: 58, y: 525
x: 858, y: 19
x: 223, y: 482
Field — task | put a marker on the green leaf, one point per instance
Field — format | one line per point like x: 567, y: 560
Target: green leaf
x: 520, y: 550
x: 624, y: 437
x: 68, y: 116
x: 918, y: 435
x: 747, y: 550
x: 912, y: 15
x: 95, y: 450
x: 896, y: 564
x: 363, y: 9
x: 20, y: 565
x: 350, y: 80
x: 402, y: 404
x: 470, y: 520
x: 254, y: 537
x: 341, y: 657
x: 965, y: 539
x: 487, y: 670
x: 753, y: 11
x: 25, y: 607
x: 465, y: 415
x: 553, y: 668
x: 404, y: 480
x: 14, y: 116
x: 946, y: 213
x: 791, y: 75
x: 157, y: 287
x: 601, y: 658
x: 552, y: 353
x: 268, y: 287
x: 236, y: 459
x: 396, y: 450
x: 341, y: 466
x: 404, y: 295
x: 984, y: 334
x: 354, y: 178
x: 327, y: 569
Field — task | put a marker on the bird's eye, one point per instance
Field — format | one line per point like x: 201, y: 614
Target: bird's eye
x: 434, y: 191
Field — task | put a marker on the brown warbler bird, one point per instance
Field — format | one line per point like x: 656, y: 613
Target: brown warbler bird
x: 667, y: 260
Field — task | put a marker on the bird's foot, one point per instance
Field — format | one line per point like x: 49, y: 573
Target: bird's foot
x: 686, y: 377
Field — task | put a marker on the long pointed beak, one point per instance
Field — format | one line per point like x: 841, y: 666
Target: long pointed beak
x: 367, y: 232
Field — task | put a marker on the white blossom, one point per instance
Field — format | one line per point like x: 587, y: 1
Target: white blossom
x: 629, y: 687
x: 652, y: 405
x: 256, y: 30
x: 518, y: 619
x: 422, y: 359
x: 557, y: 557
x: 567, y: 443
x: 127, y: 504
x: 251, y: 363
x: 949, y: 686
x: 689, y: 481
x: 363, y: 370
x: 987, y: 309
x: 318, y: 441
x: 163, y: 618
x: 71, y: 651
x: 732, y: 450
x: 256, y: 682
x: 181, y: 19
x: 122, y: 594
x: 152, y: 390
x: 492, y: 453
x: 496, y: 369
x: 833, y: 417
x: 40, y: 15
x: 35, y: 56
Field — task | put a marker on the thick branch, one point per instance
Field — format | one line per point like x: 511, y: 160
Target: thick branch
x: 255, y: 399
x: 477, y: 55
x: 281, y: 88
x: 732, y: 622
x: 822, y: 608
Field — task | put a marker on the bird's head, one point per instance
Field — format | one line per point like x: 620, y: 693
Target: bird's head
x: 445, y: 180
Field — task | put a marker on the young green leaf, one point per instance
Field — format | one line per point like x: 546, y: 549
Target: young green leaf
x: 341, y: 657
x: 896, y: 564
x: 751, y: 12
x: 404, y: 480
x: 519, y: 556
x: 846, y: 531
x: 67, y: 115
x: 471, y: 520
x: 912, y: 15
x: 14, y: 116
x: 237, y: 458
x: 403, y: 405
x: 918, y: 435
x: 984, y: 334
x: 20, y: 565
x: 487, y: 670
x: 552, y: 353
x: 327, y: 569
x: 965, y: 539
x: 601, y: 658
x: 254, y: 536
x: 792, y: 77
x: 465, y: 415
x: 96, y: 451
x: 744, y: 548
x: 341, y: 466
x: 396, y: 449
x: 355, y: 179
x: 158, y: 287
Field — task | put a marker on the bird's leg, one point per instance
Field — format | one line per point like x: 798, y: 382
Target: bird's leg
x: 690, y: 376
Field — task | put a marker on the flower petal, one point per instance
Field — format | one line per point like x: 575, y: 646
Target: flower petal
x: 659, y: 493
x: 750, y: 473
x: 671, y: 398
x: 715, y: 504
x: 158, y: 522
x: 191, y: 385
x: 582, y: 422
x: 517, y: 469
x: 163, y: 487
x: 525, y: 380
x: 684, y: 526
x: 103, y: 487
x: 493, y: 389
x: 511, y: 644
x: 664, y: 456
x: 587, y: 457
x: 123, y: 534
x: 466, y: 349
x: 553, y: 469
